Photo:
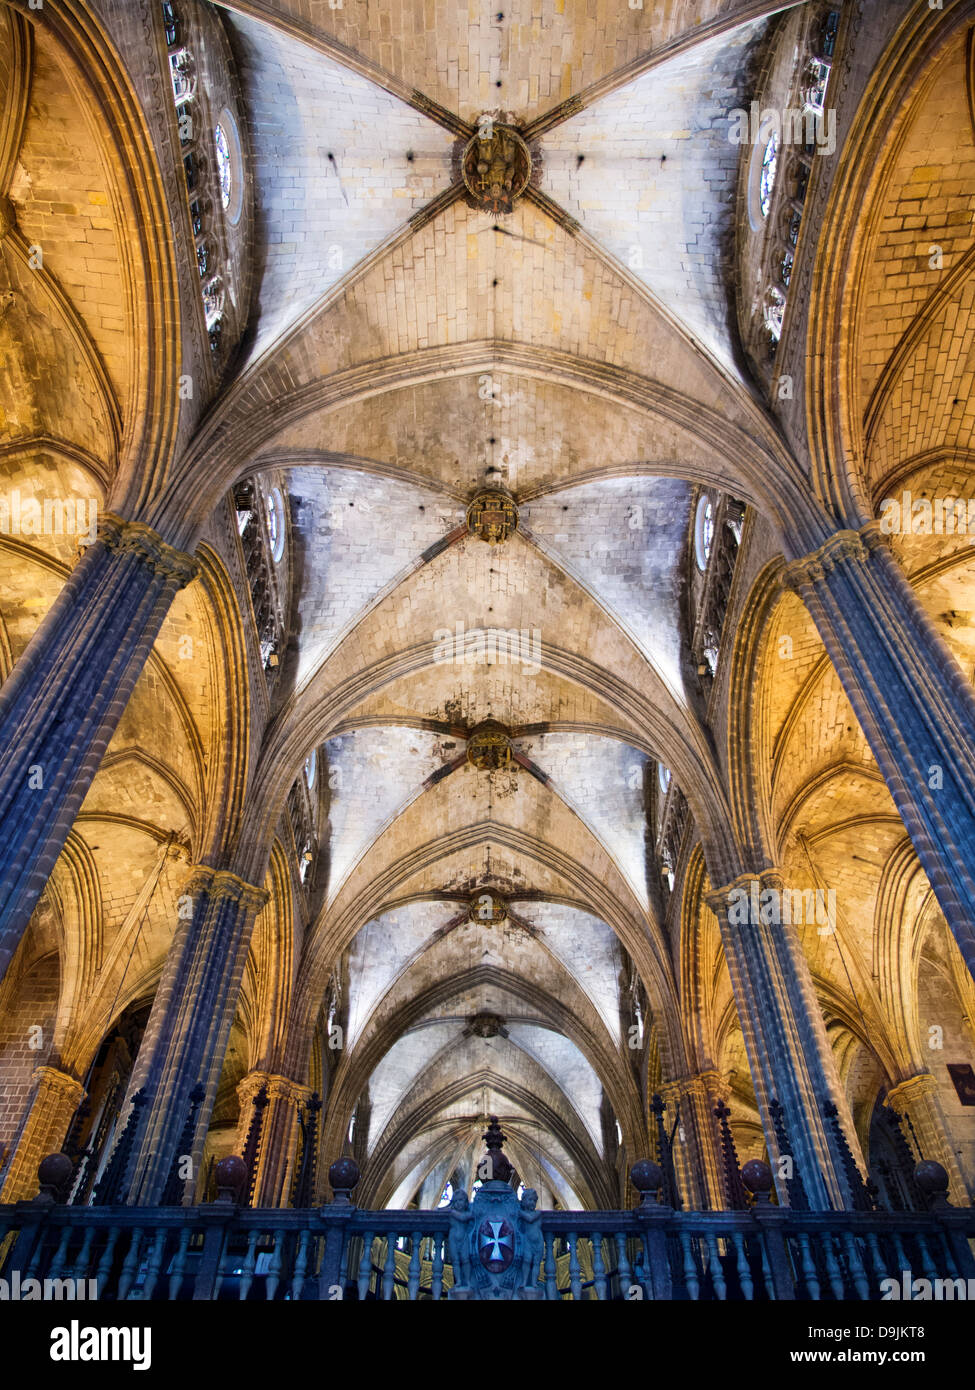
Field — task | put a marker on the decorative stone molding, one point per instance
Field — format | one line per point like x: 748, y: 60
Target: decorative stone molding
x: 134, y: 537
x: 908, y: 1092
x: 717, y: 898
x: 841, y: 548
x: 220, y: 885
x: 65, y: 1086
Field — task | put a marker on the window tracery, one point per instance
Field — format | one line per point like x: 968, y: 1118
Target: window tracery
x: 211, y: 174
x: 262, y: 556
x: 718, y: 527
x: 670, y: 822
x: 780, y: 171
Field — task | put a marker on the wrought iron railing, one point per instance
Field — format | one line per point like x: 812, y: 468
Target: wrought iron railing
x: 222, y: 1251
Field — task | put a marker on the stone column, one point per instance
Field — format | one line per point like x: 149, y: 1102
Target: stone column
x: 788, y: 1051
x: 57, y: 1096
x: 278, y: 1146
x: 919, y: 1100
x: 64, y: 698
x: 189, y: 1026
x: 914, y: 705
x: 695, y: 1152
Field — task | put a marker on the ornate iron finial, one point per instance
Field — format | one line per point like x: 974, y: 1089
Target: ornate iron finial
x: 854, y: 1178
x: 734, y: 1190
x: 110, y: 1189
x: 794, y: 1184
x: 494, y: 1166
x: 175, y: 1189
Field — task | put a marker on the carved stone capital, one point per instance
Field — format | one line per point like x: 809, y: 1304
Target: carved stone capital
x: 66, y: 1087
x: 220, y: 884
x: 909, y: 1092
x: 134, y: 537
x: 684, y: 1088
x: 717, y: 899
x: 845, y: 547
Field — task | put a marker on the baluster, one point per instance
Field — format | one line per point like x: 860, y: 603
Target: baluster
x: 876, y: 1258
x: 413, y: 1276
x: 766, y: 1267
x: 551, y: 1284
x: 81, y: 1268
x: 248, y: 1265
x: 59, y: 1258
x: 316, y: 1253
x: 301, y: 1261
x: 154, y: 1264
x: 130, y: 1264
x: 809, y: 1275
x: 691, y: 1281
x: 860, y: 1281
x: 575, y: 1282
x: 436, y: 1286
x: 950, y: 1265
x: 623, y: 1264
x: 744, y: 1271
x: 220, y: 1271
x: 598, y: 1268
x: 276, y: 1265
x: 833, y: 1270
x: 105, y: 1263
x: 179, y: 1263
x: 717, y: 1276
x: 365, y: 1265
x: 648, y: 1257
x: 927, y: 1262
x: 37, y: 1257
x: 389, y: 1266
x: 345, y: 1260
x: 903, y: 1263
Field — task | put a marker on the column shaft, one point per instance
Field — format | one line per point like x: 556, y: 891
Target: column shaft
x: 278, y: 1147
x: 788, y: 1051
x: 919, y: 1100
x: 56, y: 1098
x: 913, y: 703
x: 695, y: 1152
x: 64, y: 698
x: 189, y: 1026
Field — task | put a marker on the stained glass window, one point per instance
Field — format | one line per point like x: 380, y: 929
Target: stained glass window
x: 703, y: 532
x: 770, y: 164
x: 223, y: 164
x: 275, y: 523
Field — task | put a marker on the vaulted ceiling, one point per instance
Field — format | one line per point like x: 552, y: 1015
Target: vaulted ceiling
x: 610, y: 268
x: 401, y: 349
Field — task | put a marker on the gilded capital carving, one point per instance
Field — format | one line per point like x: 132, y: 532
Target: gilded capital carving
x: 844, y: 547
x: 134, y: 537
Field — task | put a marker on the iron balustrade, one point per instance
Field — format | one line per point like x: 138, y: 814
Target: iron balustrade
x: 222, y: 1251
